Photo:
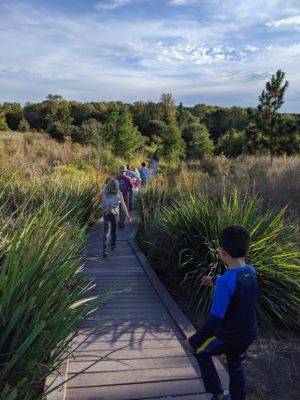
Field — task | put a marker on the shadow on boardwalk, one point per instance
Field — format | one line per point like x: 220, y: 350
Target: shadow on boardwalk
x: 135, y: 326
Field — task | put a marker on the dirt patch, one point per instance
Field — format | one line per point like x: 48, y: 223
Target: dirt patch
x: 273, y: 365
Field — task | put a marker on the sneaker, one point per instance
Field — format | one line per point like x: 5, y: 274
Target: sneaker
x: 105, y: 254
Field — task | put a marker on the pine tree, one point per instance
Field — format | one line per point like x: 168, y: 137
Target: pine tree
x: 169, y: 108
x: 127, y: 139
x: 180, y: 116
x: 198, y: 142
x: 173, y: 146
x: 271, y: 99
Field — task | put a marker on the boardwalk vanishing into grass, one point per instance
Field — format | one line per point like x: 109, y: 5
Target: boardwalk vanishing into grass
x: 141, y: 326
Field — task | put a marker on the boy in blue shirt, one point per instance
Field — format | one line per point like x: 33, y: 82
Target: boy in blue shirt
x: 231, y: 325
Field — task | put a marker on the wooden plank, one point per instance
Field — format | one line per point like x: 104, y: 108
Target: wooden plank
x: 133, y: 314
x: 141, y: 279
x: 114, y: 273
x: 129, y: 377
x: 138, y: 391
x: 130, y: 365
x: 129, y: 326
x: 134, y: 344
x: 128, y: 329
x: 129, y: 354
x: 132, y: 317
x: 132, y: 307
x: 105, y: 337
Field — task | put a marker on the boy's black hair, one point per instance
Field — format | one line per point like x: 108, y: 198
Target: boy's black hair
x: 143, y: 164
x: 235, y: 241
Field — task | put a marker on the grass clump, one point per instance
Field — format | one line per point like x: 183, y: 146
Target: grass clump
x: 43, y: 299
x: 188, y: 230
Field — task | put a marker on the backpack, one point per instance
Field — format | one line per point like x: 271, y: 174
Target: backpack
x: 122, y: 185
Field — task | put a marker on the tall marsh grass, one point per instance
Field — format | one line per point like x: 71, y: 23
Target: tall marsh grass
x: 277, y: 184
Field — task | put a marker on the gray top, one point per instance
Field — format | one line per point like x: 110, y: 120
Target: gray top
x: 110, y: 203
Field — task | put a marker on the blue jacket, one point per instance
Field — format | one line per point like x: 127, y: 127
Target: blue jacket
x: 232, y: 316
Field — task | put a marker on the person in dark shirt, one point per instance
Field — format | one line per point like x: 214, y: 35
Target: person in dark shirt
x: 231, y: 325
x: 125, y: 186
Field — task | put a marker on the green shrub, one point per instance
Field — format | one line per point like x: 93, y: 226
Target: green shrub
x: 232, y: 143
x: 189, y: 230
x: 198, y: 142
x: 43, y: 298
x: 23, y: 125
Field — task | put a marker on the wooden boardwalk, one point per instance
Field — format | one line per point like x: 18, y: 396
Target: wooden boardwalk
x: 141, y: 326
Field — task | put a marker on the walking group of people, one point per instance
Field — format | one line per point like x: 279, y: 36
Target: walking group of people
x: 231, y: 326
x: 117, y: 198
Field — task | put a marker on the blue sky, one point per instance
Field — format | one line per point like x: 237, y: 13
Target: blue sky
x: 212, y: 51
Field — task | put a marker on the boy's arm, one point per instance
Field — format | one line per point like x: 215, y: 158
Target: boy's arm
x: 218, y: 309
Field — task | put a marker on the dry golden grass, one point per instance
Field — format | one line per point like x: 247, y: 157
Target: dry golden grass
x: 278, y: 184
x: 30, y: 155
x: 35, y: 152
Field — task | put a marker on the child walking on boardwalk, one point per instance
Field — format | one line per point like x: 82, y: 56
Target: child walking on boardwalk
x: 231, y: 325
x: 112, y: 198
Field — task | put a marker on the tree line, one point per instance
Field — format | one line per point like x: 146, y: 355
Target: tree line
x: 172, y: 132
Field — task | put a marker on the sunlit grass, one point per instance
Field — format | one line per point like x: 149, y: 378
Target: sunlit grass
x: 184, y: 234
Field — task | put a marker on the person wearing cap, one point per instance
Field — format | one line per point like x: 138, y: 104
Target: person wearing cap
x: 125, y: 186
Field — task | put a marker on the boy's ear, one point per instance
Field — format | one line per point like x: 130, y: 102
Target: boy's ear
x: 223, y: 253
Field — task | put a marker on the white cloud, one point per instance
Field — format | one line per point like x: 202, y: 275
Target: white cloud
x: 87, y: 57
x: 112, y: 4
x: 183, y: 2
x: 251, y: 48
x: 285, y: 22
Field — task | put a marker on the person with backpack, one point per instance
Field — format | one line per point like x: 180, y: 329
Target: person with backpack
x: 125, y: 186
x: 136, y: 182
x: 145, y: 173
x: 112, y: 198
